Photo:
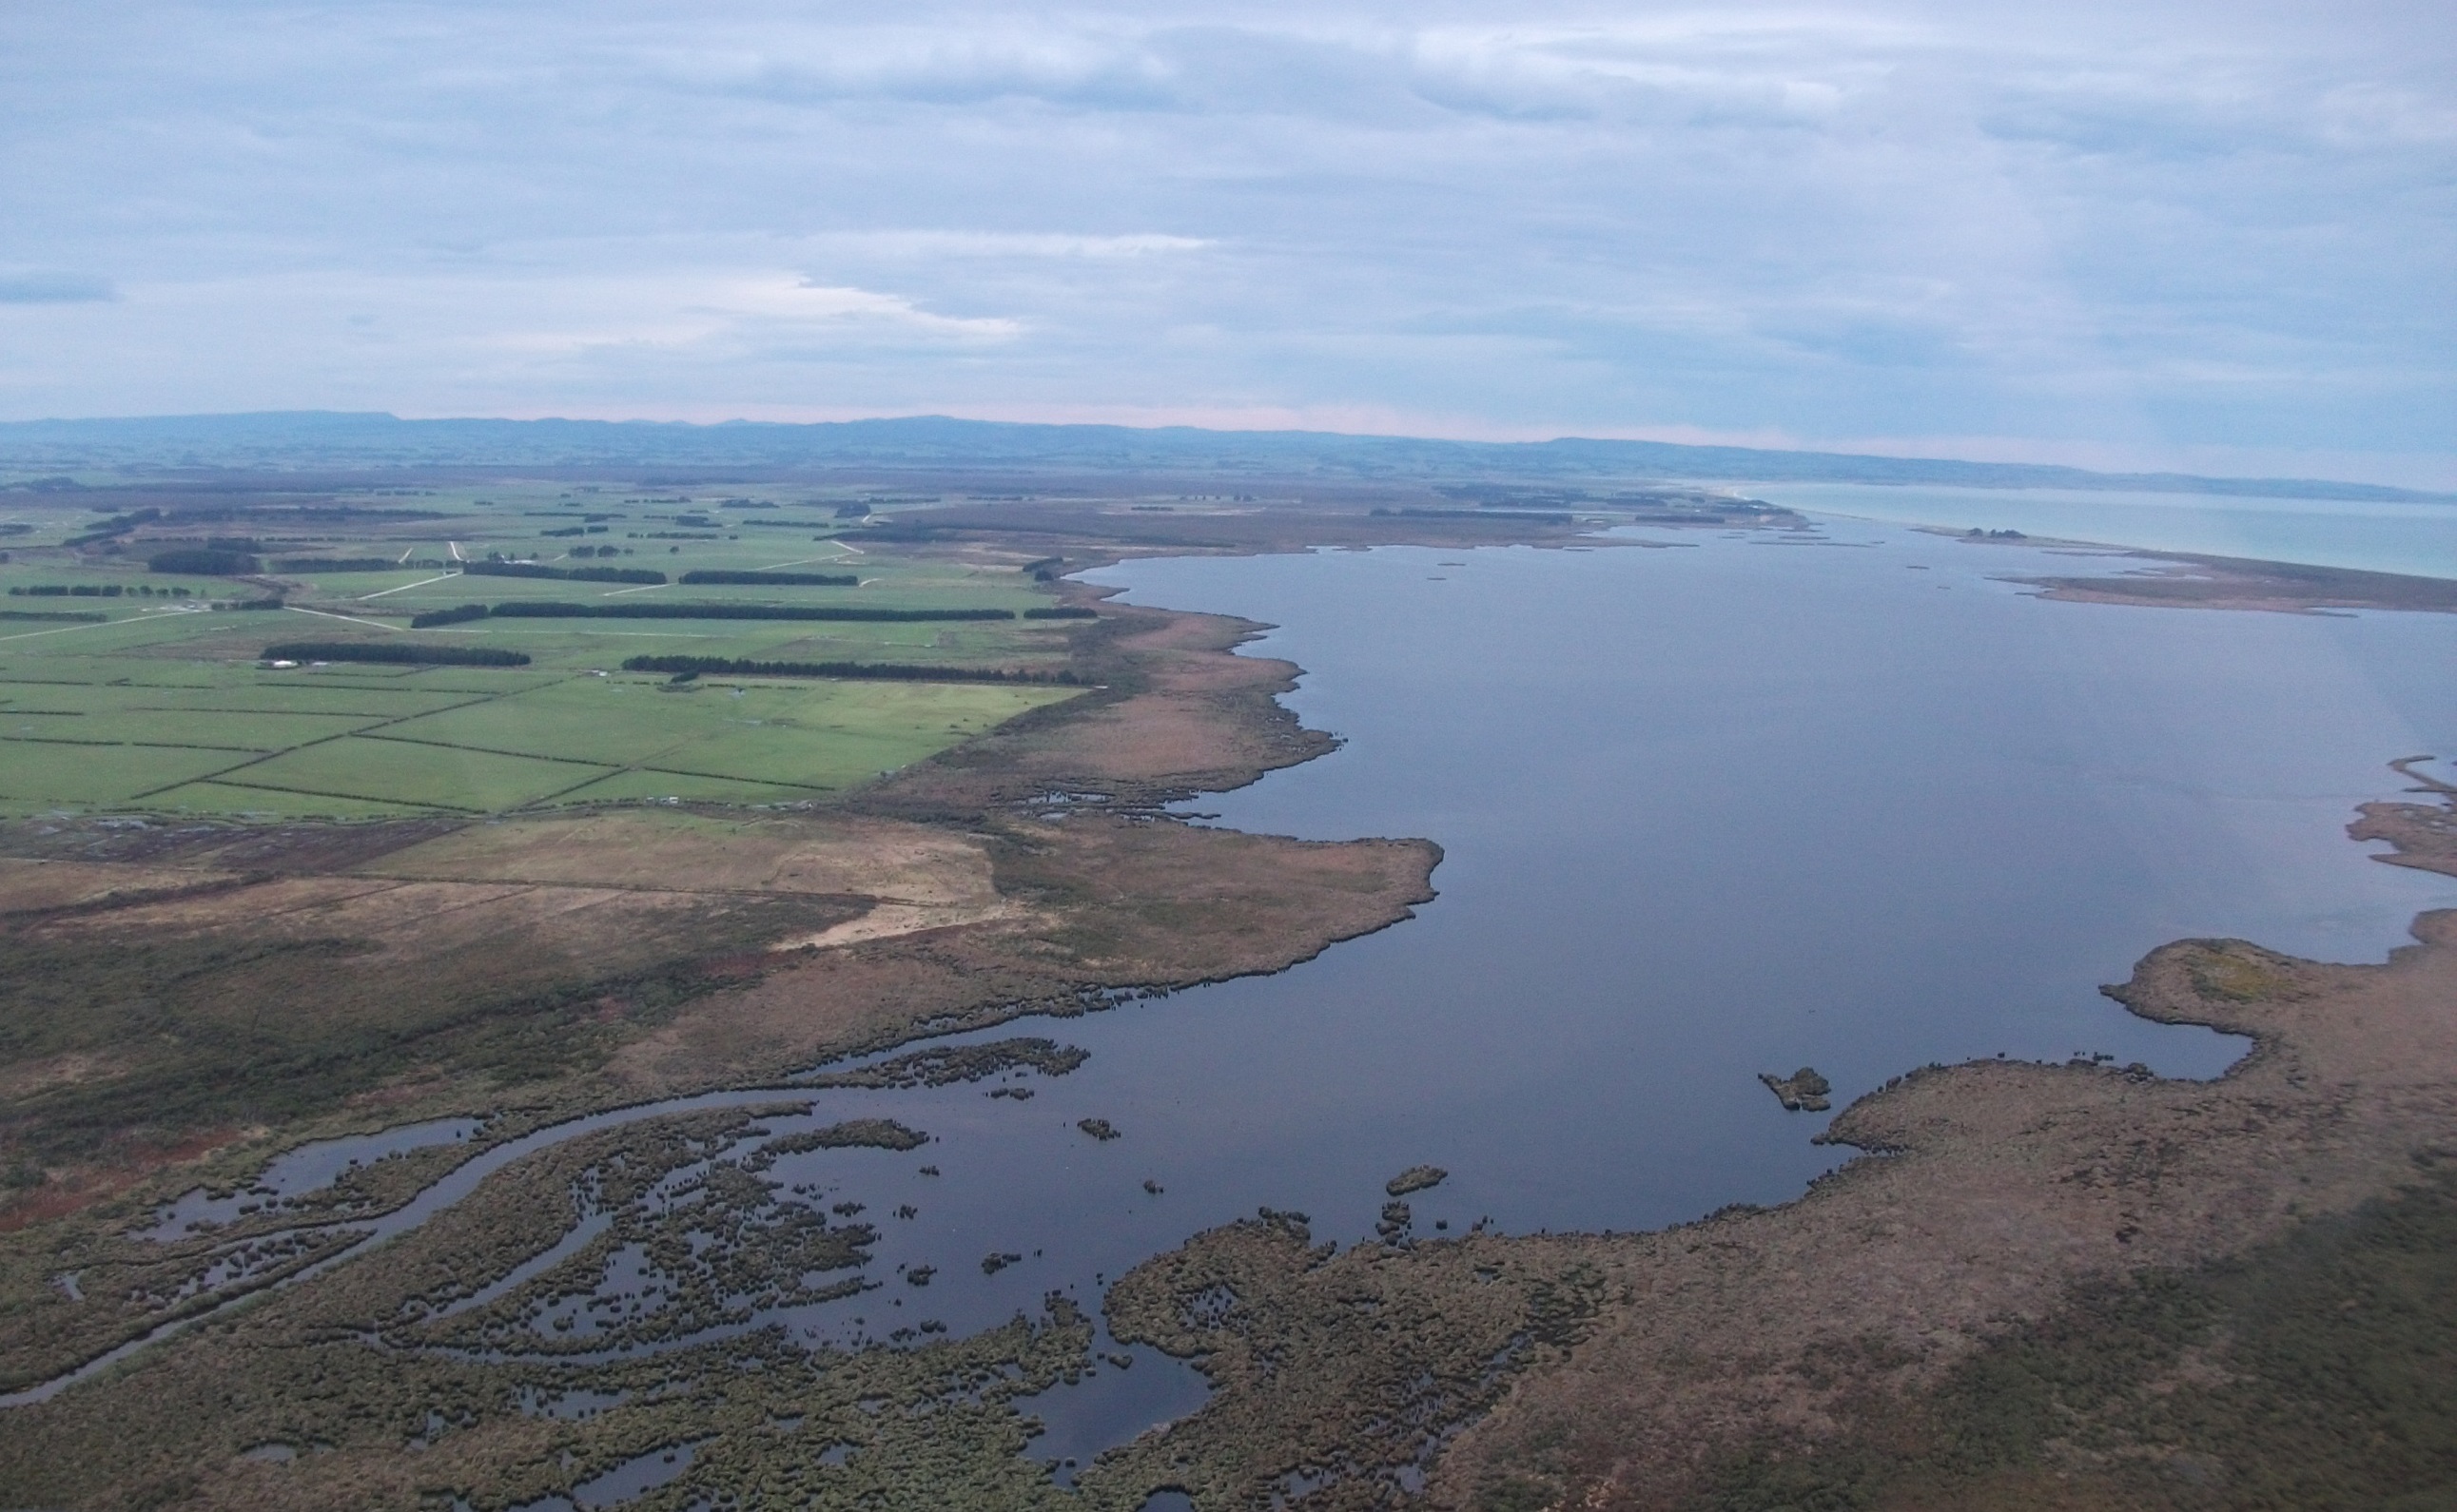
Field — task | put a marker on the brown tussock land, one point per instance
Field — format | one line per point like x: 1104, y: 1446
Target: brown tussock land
x: 1991, y: 1190
x: 29, y: 886
x: 1179, y: 714
x: 1094, y: 901
x: 666, y: 851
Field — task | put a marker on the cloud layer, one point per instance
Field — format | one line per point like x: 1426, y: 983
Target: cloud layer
x: 2146, y: 232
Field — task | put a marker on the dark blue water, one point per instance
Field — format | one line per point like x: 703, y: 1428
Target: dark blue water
x: 1737, y: 807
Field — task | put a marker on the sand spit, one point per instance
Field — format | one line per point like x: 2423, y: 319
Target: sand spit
x: 2178, y: 580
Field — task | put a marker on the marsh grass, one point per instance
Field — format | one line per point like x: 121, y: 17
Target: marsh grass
x: 2313, y: 1374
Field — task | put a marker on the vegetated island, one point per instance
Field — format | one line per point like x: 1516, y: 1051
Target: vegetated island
x: 1804, y: 1091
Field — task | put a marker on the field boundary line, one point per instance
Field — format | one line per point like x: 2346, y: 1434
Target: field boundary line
x: 28, y: 635
x: 133, y: 744
x: 345, y: 619
x: 261, y: 713
x: 561, y: 792
x: 609, y: 767
x: 318, y: 792
x: 406, y: 586
x: 322, y: 740
x: 734, y: 777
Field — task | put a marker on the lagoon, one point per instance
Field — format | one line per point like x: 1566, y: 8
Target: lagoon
x: 1712, y: 803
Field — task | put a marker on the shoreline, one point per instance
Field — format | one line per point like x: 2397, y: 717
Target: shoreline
x: 1985, y: 1192
x: 1620, y: 1310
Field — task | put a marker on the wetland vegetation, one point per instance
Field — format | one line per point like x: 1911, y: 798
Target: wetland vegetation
x: 242, y: 908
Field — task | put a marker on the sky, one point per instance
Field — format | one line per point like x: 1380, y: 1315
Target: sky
x: 2221, y: 237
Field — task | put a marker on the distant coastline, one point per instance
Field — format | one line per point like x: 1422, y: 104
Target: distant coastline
x: 307, y: 440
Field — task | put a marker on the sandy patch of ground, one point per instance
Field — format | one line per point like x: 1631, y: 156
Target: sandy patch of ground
x: 683, y: 851
x: 886, y: 921
x: 32, y: 886
x: 30, y: 1077
x: 1089, y: 902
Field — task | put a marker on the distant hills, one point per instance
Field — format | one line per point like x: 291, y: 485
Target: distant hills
x: 324, y: 439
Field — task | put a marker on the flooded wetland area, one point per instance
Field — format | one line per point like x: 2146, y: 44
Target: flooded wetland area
x: 1712, y: 806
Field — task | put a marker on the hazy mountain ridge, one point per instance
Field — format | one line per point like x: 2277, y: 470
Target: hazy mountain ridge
x: 329, y: 438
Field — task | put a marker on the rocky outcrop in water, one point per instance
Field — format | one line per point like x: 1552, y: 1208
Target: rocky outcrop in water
x: 1804, y: 1091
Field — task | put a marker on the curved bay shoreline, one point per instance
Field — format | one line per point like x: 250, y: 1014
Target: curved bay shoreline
x: 1584, y: 1370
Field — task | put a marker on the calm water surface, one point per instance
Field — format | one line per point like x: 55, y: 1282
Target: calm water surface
x: 1740, y: 805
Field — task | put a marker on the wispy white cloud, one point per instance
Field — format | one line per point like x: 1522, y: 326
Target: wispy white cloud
x: 2124, y: 225
x: 49, y: 286
x: 898, y: 243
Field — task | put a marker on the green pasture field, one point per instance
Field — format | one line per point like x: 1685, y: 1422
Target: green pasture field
x: 164, y: 707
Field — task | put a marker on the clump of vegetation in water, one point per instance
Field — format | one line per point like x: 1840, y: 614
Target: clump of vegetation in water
x: 1100, y: 1128
x: 1342, y: 1370
x: 1415, y: 1178
x: 945, y: 1065
x: 1804, y: 1091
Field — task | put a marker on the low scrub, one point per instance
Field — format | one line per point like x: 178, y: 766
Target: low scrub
x: 799, y: 580
x: 345, y: 564
x: 395, y: 652
x: 730, y: 612
x: 203, y: 562
x: 461, y: 614
x: 883, y: 671
x: 532, y: 569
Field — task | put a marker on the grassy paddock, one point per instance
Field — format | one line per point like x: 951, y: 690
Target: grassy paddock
x: 160, y: 705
